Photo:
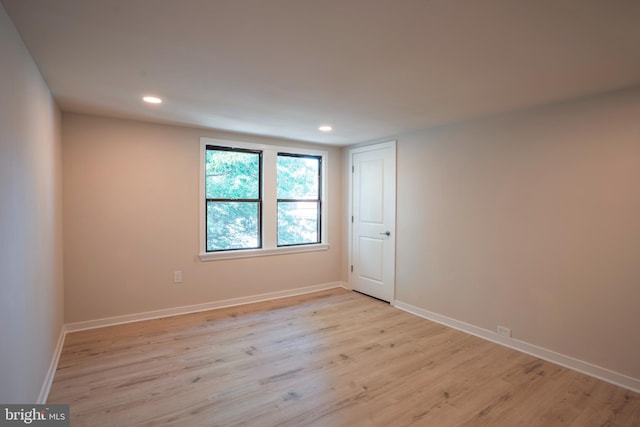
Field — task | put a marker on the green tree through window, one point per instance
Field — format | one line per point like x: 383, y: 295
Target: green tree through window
x: 233, y: 197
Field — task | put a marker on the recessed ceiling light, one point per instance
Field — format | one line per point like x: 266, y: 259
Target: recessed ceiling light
x: 152, y: 99
x: 325, y: 128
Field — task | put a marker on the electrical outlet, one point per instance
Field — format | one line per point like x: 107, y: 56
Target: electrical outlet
x: 504, y: 332
x: 177, y: 277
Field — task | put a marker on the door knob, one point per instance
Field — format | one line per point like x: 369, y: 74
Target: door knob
x: 386, y: 233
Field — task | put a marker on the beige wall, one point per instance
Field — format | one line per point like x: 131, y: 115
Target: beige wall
x: 31, y: 310
x: 530, y: 221
x: 131, y: 218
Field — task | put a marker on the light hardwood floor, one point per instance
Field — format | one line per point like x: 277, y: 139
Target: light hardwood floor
x: 332, y: 358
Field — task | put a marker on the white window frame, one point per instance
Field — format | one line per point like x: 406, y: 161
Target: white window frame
x: 269, y: 202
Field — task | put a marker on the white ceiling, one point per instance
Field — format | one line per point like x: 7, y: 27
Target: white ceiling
x: 371, y: 68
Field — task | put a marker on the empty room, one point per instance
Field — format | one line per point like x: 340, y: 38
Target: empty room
x: 320, y: 213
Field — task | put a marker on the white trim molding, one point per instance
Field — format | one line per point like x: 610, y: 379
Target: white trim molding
x: 569, y: 362
x: 269, y: 207
x: 51, y: 372
x: 168, y: 312
x: 250, y: 253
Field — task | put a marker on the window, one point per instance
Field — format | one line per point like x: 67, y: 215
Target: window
x: 298, y: 199
x: 233, y: 190
x: 260, y: 200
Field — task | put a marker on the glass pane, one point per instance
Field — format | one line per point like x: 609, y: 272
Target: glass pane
x: 232, y: 175
x: 298, y: 223
x: 298, y: 177
x: 232, y: 225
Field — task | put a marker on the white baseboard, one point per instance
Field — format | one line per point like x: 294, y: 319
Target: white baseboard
x: 601, y: 373
x: 128, y: 318
x: 51, y: 372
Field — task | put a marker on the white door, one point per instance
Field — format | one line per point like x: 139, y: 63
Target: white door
x: 374, y: 220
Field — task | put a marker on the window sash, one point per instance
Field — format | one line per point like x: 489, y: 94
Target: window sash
x: 257, y: 200
x: 246, y: 234
x: 317, y: 200
x: 282, y: 241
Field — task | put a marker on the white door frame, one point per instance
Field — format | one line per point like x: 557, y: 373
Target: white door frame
x: 352, y: 151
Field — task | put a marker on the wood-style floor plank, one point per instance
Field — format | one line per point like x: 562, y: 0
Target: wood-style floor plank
x: 331, y: 358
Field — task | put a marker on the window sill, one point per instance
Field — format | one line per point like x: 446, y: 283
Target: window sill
x: 250, y: 253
